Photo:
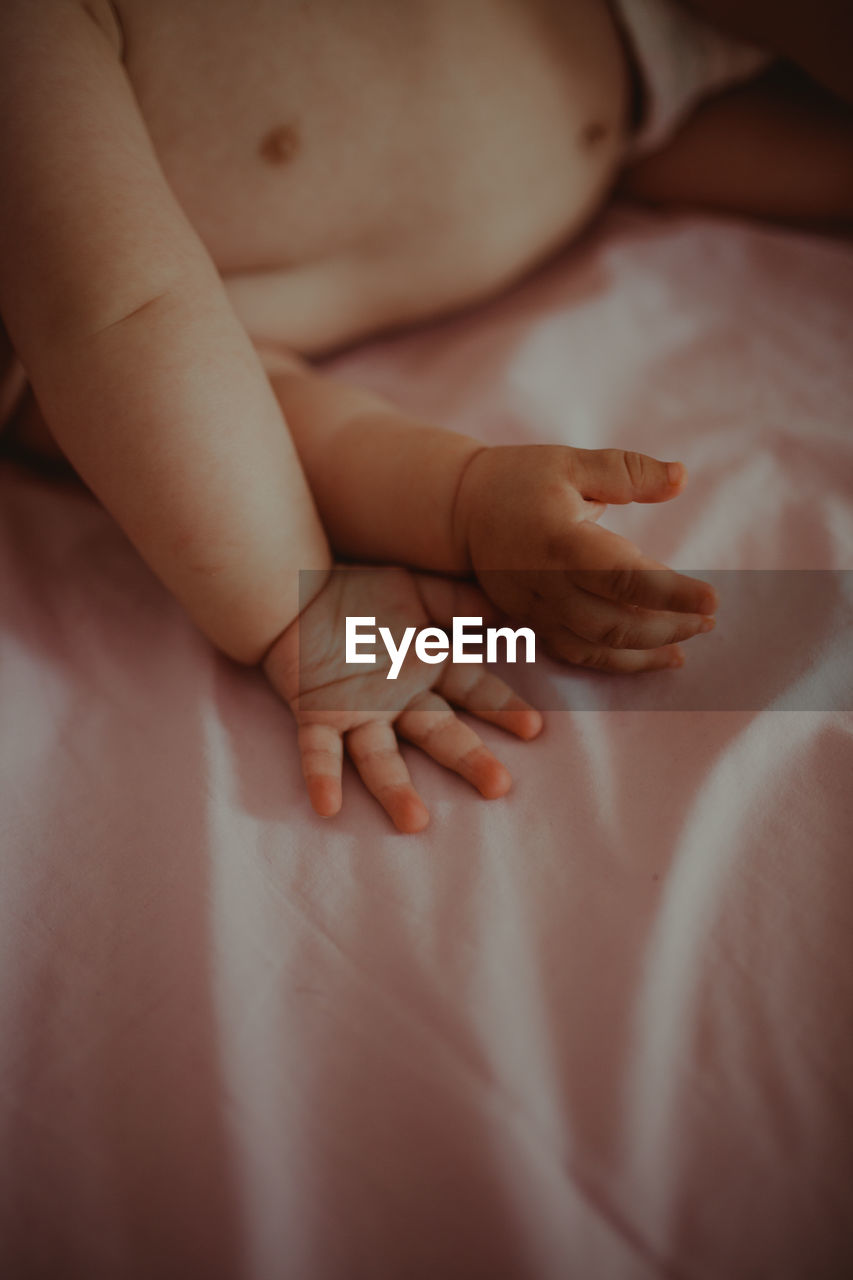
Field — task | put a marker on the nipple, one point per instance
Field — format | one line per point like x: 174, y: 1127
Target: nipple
x: 592, y: 133
x: 280, y: 145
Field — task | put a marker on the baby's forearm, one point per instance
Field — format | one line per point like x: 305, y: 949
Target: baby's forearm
x: 385, y: 484
x: 170, y: 420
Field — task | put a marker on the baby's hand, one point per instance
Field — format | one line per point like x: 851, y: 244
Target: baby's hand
x: 335, y: 705
x: 527, y: 516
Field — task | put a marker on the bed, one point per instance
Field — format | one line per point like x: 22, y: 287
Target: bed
x: 599, y: 1029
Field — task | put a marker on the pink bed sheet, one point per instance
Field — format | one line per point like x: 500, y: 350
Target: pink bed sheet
x: 602, y: 1028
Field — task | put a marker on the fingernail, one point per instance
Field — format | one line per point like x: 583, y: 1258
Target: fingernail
x: 709, y: 602
x: 708, y: 624
x: 677, y: 660
x: 675, y: 472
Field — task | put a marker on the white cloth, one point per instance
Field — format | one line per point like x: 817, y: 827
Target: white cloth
x: 681, y: 59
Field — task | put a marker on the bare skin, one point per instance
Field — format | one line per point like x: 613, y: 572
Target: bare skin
x: 370, y: 714
x: 193, y: 202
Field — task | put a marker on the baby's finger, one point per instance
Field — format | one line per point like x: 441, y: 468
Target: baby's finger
x: 321, y: 749
x: 618, y: 626
x: 571, y: 648
x: 375, y: 753
x: 621, y: 475
x: 608, y: 565
x: 430, y: 724
x: 488, y: 697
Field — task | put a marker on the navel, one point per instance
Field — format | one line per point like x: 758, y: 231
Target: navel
x: 280, y: 145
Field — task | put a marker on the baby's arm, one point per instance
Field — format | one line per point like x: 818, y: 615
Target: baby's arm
x: 389, y: 487
x: 385, y: 482
x: 143, y: 373
x: 777, y: 148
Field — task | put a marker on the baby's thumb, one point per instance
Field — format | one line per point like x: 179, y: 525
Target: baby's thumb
x: 619, y: 475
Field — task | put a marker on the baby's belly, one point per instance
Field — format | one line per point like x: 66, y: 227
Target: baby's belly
x: 358, y: 164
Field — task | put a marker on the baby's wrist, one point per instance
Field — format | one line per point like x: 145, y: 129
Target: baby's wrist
x: 279, y: 658
x: 466, y: 501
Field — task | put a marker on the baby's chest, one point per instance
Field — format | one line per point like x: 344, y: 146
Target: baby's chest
x: 373, y: 155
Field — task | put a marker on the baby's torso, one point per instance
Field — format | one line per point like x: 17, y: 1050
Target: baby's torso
x: 355, y: 164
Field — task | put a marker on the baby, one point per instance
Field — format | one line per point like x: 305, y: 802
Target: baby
x: 199, y: 194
